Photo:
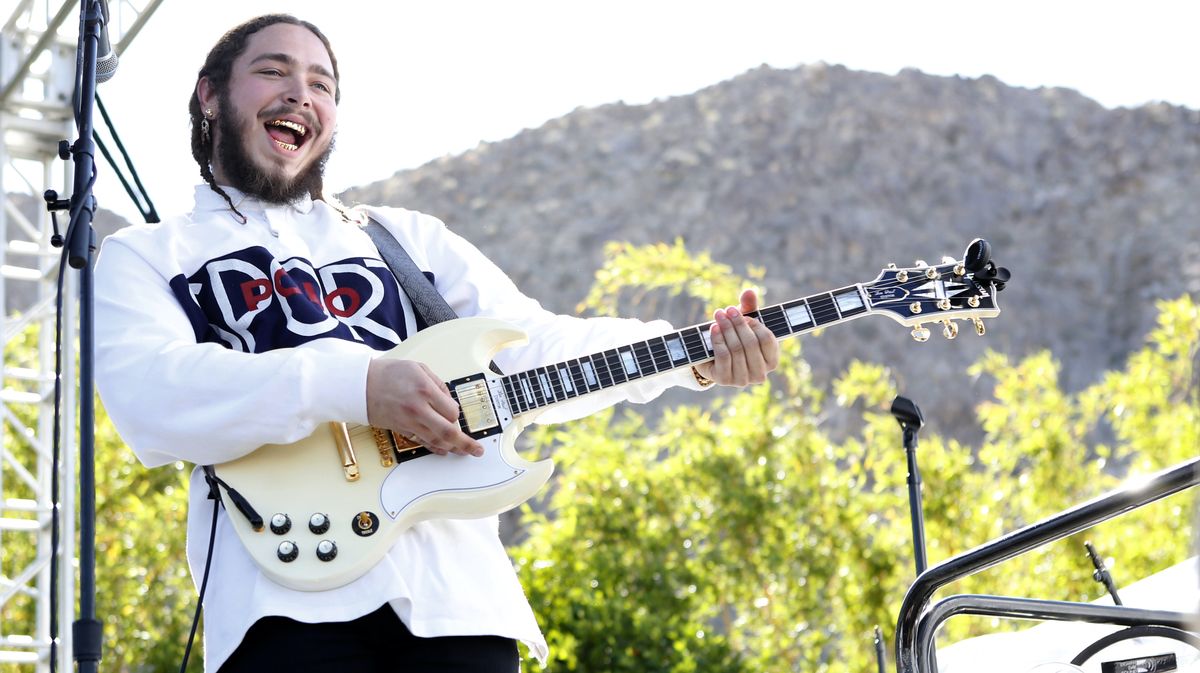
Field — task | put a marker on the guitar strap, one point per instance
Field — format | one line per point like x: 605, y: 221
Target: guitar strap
x: 430, y: 305
x: 427, y: 302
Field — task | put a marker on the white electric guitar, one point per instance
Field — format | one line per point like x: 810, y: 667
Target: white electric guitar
x: 319, y: 513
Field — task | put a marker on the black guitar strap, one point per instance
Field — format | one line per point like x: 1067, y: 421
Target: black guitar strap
x: 427, y: 302
x: 430, y: 305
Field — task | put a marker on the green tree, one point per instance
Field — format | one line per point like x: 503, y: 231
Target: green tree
x: 738, y: 535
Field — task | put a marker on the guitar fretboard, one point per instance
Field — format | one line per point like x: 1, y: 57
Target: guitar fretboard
x: 543, y: 386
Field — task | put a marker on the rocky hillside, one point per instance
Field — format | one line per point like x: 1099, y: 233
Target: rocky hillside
x: 823, y: 175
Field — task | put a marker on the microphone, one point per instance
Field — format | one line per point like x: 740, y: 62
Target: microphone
x: 106, y: 58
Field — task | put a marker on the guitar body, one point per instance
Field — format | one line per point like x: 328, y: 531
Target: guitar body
x: 307, y: 477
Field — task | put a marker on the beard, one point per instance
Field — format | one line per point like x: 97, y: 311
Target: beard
x: 267, y: 185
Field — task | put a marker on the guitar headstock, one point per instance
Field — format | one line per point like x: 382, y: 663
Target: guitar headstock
x: 945, y: 293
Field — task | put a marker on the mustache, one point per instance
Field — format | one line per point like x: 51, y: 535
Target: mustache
x: 279, y: 111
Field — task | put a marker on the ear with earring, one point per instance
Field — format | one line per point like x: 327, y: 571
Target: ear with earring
x: 204, y: 125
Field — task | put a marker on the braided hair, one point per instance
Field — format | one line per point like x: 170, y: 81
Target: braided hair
x: 218, y: 68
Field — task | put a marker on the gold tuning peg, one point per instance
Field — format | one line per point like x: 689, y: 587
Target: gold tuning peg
x: 949, y: 329
x: 920, y: 334
x: 980, y: 329
x: 902, y: 276
x: 959, y: 269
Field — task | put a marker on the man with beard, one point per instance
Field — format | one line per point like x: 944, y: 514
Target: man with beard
x: 254, y: 319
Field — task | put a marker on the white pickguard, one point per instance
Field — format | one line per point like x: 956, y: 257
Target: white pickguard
x: 415, y: 480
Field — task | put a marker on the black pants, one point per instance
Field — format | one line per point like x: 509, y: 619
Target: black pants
x: 375, y: 643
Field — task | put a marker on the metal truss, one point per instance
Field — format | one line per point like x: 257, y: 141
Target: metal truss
x: 37, y: 73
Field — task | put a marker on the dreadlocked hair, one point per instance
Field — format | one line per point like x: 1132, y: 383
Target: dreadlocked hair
x: 218, y: 67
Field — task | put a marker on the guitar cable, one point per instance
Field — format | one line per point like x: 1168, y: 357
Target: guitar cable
x: 215, y: 484
x: 56, y: 456
x: 239, y: 501
x: 214, y: 493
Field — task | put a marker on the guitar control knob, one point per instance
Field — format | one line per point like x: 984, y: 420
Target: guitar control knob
x: 318, y: 523
x: 287, y: 551
x: 920, y: 334
x: 281, y: 523
x: 326, y: 550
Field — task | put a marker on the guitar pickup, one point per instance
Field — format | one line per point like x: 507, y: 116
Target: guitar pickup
x: 477, y: 412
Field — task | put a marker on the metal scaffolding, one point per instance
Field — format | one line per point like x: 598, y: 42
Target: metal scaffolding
x: 37, y: 73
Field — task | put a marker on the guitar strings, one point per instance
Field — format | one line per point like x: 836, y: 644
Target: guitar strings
x: 557, y: 390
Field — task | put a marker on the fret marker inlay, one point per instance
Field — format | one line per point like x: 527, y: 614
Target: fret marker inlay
x: 676, y: 349
x: 630, y: 364
x: 849, y: 301
x: 798, y: 315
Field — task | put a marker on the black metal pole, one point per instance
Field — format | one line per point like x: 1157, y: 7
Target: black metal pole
x: 880, y: 656
x: 86, y: 631
x: 915, y: 506
x: 910, y: 418
x: 1101, y: 574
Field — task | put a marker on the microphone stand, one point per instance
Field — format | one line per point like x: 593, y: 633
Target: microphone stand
x: 1101, y: 574
x: 81, y: 244
x: 910, y: 418
x: 880, y: 657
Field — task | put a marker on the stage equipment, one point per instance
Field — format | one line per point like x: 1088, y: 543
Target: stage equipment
x: 1101, y: 573
x: 38, y: 54
x: 918, y: 620
x: 910, y: 418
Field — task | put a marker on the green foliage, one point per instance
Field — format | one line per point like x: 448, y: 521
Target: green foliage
x: 741, y: 537
x: 634, y: 271
x: 145, y: 596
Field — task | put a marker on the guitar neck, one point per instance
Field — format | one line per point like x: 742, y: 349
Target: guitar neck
x: 543, y: 386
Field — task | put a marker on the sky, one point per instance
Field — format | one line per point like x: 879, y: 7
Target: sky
x: 422, y: 79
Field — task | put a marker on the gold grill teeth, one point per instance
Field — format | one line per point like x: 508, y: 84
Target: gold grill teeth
x: 291, y: 125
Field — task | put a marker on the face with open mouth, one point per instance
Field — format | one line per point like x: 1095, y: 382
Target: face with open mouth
x: 275, y: 120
